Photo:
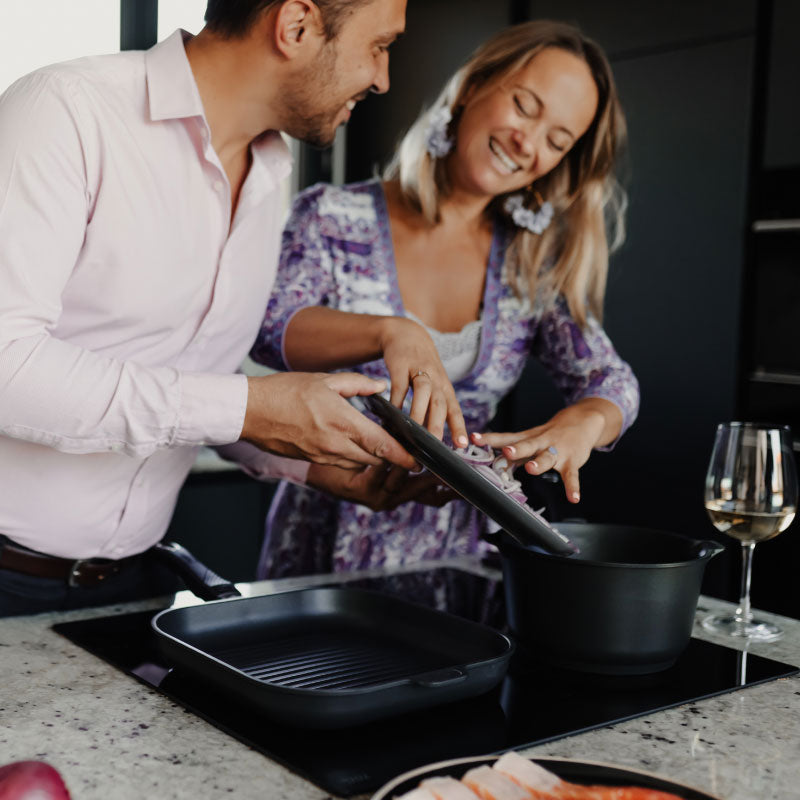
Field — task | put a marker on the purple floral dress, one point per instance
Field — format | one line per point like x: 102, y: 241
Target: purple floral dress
x: 337, y: 252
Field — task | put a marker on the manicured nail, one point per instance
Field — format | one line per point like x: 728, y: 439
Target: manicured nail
x: 463, y: 441
x: 511, y: 449
x: 477, y: 436
x: 576, y: 496
x: 534, y: 464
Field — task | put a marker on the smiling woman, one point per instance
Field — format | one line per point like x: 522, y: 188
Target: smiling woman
x: 485, y: 243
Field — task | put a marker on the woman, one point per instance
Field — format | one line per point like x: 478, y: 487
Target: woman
x: 485, y: 243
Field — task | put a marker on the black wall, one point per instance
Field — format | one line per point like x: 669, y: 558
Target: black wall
x: 690, y: 76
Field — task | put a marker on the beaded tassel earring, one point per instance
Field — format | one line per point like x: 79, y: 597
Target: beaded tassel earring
x: 437, y: 141
x: 522, y: 216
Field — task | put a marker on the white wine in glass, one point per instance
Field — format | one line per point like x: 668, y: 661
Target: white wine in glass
x: 750, y: 495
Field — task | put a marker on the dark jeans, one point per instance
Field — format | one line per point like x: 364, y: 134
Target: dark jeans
x: 25, y: 594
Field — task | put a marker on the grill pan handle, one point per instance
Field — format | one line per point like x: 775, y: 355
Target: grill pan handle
x: 201, y: 580
x: 441, y: 677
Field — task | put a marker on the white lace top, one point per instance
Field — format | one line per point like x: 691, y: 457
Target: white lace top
x: 457, y: 349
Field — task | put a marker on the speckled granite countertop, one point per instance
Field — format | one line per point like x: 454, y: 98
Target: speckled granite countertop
x: 111, y: 737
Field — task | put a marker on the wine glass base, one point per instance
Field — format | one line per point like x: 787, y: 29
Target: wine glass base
x: 756, y: 630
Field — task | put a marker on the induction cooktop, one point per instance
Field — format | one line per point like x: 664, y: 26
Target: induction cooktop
x: 534, y: 704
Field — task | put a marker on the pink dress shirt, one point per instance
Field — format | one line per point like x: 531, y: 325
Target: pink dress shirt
x: 127, y: 298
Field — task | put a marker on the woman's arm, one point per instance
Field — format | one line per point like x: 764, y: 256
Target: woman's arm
x: 601, y: 391
x: 324, y: 338
x: 304, y: 330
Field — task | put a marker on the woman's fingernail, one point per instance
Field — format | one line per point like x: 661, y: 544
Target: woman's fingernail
x: 511, y: 449
x: 477, y: 436
x: 463, y: 441
x: 534, y: 464
x: 576, y: 496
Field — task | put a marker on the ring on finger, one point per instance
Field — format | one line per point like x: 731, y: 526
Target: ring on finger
x: 420, y: 372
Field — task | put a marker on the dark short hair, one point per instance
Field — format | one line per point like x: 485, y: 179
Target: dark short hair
x: 231, y: 18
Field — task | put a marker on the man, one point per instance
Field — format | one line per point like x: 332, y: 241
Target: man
x: 139, y: 228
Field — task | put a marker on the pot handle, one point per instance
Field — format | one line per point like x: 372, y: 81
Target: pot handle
x: 441, y: 677
x: 202, y: 581
x: 709, y: 549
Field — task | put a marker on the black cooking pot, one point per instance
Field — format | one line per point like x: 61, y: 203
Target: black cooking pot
x: 624, y: 605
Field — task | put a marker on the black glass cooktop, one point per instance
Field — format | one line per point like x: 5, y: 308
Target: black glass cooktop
x: 534, y: 704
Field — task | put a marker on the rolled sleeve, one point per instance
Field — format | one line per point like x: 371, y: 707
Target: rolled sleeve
x: 583, y: 363
x: 264, y: 466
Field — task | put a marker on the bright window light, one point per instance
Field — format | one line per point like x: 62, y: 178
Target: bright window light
x: 186, y: 14
x: 34, y: 33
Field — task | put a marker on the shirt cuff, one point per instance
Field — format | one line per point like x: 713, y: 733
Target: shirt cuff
x: 212, y: 408
x: 286, y: 469
x: 265, y: 466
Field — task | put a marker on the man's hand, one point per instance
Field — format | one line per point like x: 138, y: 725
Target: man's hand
x: 305, y: 415
x: 380, y: 488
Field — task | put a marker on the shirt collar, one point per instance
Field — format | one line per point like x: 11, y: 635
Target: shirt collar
x: 173, y: 94
x: 171, y: 88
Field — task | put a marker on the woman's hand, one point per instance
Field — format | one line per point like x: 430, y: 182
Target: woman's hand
x: 381, y: 488
x: 413, y: 363
x: 563, y: 443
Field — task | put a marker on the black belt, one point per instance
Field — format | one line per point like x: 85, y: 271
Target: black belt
x: 83, y: 572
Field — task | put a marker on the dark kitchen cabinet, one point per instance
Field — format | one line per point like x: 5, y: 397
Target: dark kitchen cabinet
x: 220, y: 518
x: 770, y: 374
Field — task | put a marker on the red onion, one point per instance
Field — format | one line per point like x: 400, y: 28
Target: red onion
x: 31, y: 780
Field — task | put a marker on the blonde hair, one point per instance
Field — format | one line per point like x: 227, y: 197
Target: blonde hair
x: 571, y: 257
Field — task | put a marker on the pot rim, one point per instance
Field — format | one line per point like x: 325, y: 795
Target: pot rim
x: 712, y: 548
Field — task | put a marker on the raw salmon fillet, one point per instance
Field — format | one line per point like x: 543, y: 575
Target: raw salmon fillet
x: 489, y: 784
x: 448, y: 789
x: 543, y: 784
x: 513, y: 777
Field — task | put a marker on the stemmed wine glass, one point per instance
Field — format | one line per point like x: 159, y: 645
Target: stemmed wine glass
x: 751, y: 495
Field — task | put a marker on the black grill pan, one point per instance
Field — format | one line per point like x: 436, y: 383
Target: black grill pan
x: 333, y: 657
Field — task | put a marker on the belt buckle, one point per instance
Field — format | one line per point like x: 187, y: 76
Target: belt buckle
x: 73, y: 581
x: 104, y: 569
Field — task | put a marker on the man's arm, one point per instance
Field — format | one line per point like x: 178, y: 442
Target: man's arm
x: 76, y: 398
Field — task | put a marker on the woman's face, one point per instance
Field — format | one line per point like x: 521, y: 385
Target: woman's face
x: 518, y: 130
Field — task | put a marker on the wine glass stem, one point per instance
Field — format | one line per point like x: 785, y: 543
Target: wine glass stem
x: 743, y: 613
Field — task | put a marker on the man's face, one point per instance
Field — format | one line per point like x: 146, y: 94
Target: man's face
x: 345, y: 70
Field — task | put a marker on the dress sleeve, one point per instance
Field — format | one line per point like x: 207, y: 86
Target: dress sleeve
x: 584, y: 363
x: 305, y: 277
